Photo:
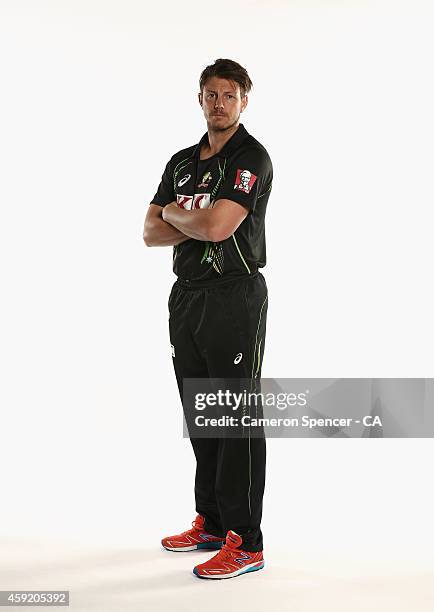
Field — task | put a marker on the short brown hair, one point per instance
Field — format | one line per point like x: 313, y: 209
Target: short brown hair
x: 229, y: 70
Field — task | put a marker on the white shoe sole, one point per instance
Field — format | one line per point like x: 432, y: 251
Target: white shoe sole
x: 201, y: 546
x: 243, y: 570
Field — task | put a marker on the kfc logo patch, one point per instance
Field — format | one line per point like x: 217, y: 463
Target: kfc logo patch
x: 199, y: 200
x: 245, y: 180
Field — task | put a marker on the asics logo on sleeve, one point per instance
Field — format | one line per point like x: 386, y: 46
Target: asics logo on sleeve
x: 238, y: 358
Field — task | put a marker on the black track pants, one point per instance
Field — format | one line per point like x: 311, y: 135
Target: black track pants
x: 209, y: 328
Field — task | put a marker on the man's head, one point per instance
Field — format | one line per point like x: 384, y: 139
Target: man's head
x: 224, y: 86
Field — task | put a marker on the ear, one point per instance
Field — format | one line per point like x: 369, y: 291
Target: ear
x: 244, y: 102
x: 199, y: 95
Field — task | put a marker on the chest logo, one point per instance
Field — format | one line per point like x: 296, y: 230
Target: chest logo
x: 199, y: 200
x: 206, y: 179
x: 184, y: 180
x: 245, y: 180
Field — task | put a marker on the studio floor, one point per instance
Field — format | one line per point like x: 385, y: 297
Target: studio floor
x: 133, y: 579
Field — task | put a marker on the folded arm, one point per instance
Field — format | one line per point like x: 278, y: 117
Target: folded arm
x: 157, y: 232
x: 214, y: 224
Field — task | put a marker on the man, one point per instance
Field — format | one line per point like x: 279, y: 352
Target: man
x: 210, y: 206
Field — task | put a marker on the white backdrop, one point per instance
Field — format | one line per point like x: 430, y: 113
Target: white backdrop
x: 96, y: 96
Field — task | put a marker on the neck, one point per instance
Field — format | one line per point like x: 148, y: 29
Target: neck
x: 218, y: 138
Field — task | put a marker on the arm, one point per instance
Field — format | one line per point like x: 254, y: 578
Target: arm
x: 213, y: 224
x: 156, y: 232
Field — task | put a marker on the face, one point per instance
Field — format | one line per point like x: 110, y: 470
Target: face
x: 221, y: 103
x: 245, y: 177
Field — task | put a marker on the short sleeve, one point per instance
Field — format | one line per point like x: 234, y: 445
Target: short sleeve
x: 248, y: 177
x: 165, y: 193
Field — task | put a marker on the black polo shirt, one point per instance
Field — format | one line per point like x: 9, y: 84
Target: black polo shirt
x: 242, y: 171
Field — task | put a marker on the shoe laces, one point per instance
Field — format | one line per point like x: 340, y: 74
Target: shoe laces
x: 194, y: 527
x: 224, y: 552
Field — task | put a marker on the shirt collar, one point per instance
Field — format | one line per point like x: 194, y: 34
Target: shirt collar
x: 230, y: 146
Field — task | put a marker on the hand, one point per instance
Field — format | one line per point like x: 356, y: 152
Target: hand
x: 167, y: 208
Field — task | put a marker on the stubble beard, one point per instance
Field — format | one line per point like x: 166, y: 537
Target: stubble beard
x: 219, y: 129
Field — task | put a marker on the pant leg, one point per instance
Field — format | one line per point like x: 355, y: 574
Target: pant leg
x: 184, y: 310
x: 232, y: 338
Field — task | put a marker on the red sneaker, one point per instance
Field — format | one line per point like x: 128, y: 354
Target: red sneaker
x: 193, y: 538
x: 230, y: 561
